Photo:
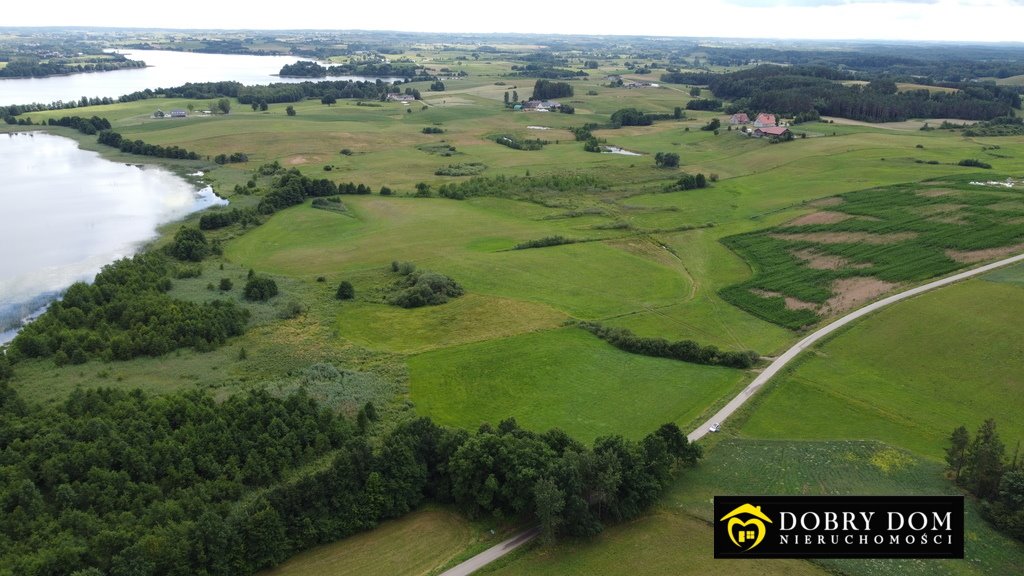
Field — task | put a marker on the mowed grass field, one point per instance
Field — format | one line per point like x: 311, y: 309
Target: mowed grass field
x: 413, y: 545
x: 564, y: 378
x: 909, y: 374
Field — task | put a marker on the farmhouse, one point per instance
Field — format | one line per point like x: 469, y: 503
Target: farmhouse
x: 740, y: 118
x: 771, y: 131
x: 540, y: 105
x: 178, y: 113
x: 764, y: 120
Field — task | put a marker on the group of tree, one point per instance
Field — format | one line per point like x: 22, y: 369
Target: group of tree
x: 87, y: 126
x: 233, y: 158
x: 704, y: 104
x: 684, y: 350
x: 125, y: 313
x: 547, y: 90
x: 417, y: 288
x: 666, y: 160
x: 689, y: 182
x: 630, y: 117
x: 980, y: 466
x: 544, y: 242
x: 801, y: 89
x: 214, y: 219
x: 115, y: 482
x: 520, y: 143
x: 292, y: 188
x: 115, y: 140
x: 529, y: 188
x: 35, y: 68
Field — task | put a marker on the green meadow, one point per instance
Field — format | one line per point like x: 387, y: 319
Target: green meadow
x: 744, y: 264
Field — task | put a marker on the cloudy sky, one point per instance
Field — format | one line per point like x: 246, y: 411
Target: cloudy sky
x: 957, y: 20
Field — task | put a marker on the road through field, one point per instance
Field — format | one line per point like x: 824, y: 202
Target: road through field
x: 820, y: 333
x: 495, y: 552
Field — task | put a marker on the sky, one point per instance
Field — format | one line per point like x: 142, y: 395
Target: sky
x: 939, y: 20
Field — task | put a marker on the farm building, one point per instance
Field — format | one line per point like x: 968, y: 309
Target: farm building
x: 771, y: 131
x: 401, y: 98
x: 540, y: 105
x: 178, y: 113
x: 740, y: 118
x: 764, y: 120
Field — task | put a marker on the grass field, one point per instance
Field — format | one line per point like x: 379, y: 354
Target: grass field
x: 413, y: 545
x: 909, y: 374
x: 563, y: 378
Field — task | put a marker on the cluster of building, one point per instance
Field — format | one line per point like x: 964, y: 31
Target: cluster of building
x: 763, y: 125
x: 537, y: 106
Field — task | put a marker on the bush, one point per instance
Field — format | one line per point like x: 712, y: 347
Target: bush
x: 345, y: 291
x: 260, y: 288
x: 385, y: 191
x: 543, y: 242
x: 226, y: 284
x: 423, y: 289
x: 974, y: 163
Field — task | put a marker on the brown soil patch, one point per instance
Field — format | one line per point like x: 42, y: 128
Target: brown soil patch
x: 971, y: 256
x: 826, y: 202
x: 823, y: 217
x: 820, y: 261
x: 933, y: 192
x: 791, y: 303
x: 850, y: 293
x: 847, y: 237
x: 298, y: 160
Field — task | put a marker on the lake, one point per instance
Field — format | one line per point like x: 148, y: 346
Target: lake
x: 165, y: 69
x: 67, y: 212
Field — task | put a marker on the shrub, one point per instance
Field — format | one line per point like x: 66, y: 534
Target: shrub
x: 974, y: 163
x: 424, y: 289
x: 345, y: 291
x: 544, y: 242
x: 226, y: 284
x: 260, y: 288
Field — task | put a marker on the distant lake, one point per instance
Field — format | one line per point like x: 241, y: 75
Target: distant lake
x: 164, y: 69
x: 67, y: 212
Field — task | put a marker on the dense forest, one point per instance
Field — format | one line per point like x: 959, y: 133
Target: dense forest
x: 120, y: 483
x: 794, y: 90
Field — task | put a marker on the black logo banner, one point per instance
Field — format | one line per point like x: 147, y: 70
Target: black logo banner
x: 839, y: 527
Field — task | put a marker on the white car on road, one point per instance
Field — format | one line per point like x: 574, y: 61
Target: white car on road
x: 714, y: 427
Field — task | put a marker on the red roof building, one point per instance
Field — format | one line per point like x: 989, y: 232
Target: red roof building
x: 776, y: 131
x: 765, y: 120
x: 740, y: 118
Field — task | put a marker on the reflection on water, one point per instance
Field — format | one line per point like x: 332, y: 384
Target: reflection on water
x: 67, y: 212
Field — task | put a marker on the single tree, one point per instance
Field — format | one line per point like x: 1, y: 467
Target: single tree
x: 695, y: 91
x: 264, y: 106
x: 328, y: 99
x: 224, y: 105
x: 984, y: 466
x: 957, y: 451
x: 345, y: 291
x: 549, y: 501
x: 290, y: 110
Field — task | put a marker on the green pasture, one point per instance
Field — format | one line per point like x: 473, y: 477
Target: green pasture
x: 664, y: 542
x: 909, y: 374
x: 735, y: 466
x: 410, y: 546
x: 563, y: 378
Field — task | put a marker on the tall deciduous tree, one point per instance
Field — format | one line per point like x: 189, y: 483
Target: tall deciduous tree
x: 984, y: 466
x: 957, y: 451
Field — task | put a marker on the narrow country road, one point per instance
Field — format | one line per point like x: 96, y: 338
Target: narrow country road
x: 491, y: 554
x: 495, y: 552
x: 820, y: 333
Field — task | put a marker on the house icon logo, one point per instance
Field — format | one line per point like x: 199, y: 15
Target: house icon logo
x: 746, y: 526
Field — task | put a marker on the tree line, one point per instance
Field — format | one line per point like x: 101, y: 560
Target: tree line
x: 980, y: 466
x: 122, y: 483
x: 684, y: 350
x: 794, y: 90
x: 33, y: 68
